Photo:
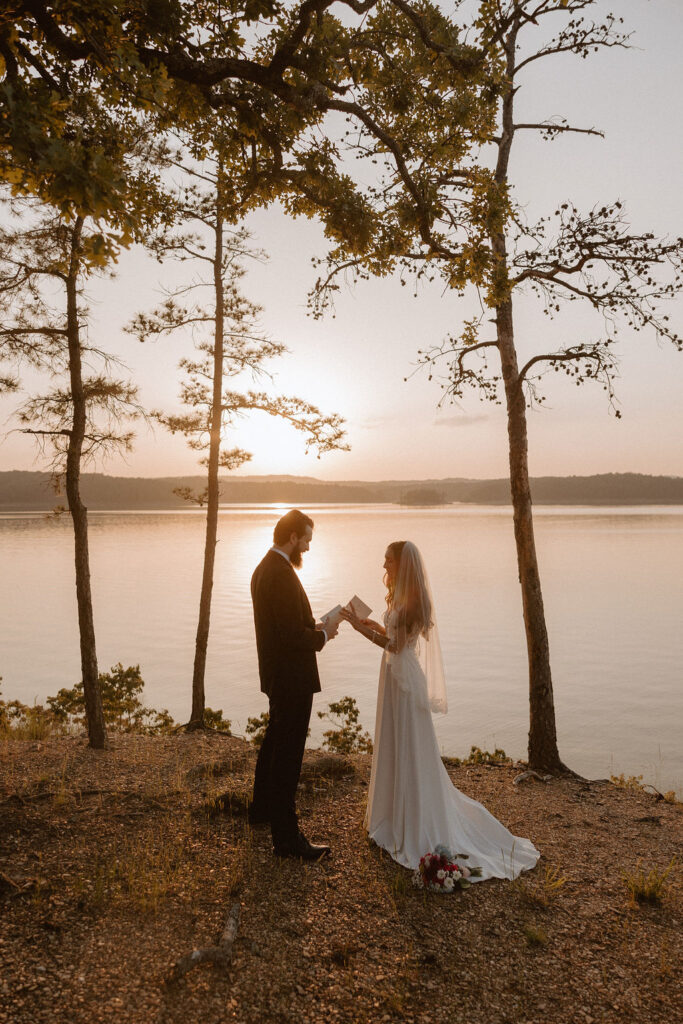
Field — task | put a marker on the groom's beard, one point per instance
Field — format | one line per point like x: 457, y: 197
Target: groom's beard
x: 296, y: 557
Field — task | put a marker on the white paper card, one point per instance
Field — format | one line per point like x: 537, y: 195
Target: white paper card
x: 358, y: 607
x: 333, y: 617
x: 355, y: 605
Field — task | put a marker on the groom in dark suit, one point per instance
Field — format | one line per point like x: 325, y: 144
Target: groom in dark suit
x: 287, y: 641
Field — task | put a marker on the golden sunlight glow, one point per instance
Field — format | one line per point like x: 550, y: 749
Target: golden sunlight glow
x: 277, y: 448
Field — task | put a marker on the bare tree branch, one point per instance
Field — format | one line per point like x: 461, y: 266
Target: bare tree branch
x: 549, y: 129
x: 578, y: 37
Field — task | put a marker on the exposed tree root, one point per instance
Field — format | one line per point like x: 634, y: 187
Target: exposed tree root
x: 528, y: 775
x: 557, y: 771
x: 79, y: 794
x: 50, y: 794
x: 220, y: 954
x: 653, y: 791
x: 200, y: 727
x: 9, y: 887
x: 545, y: 774
x: 8, y: 884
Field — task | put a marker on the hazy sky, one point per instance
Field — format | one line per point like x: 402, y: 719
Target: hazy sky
x: 355, y: 364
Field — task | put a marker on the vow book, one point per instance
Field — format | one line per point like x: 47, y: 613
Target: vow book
x: 355, y: 605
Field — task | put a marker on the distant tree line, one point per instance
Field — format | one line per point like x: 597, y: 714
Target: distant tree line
x: 26, y: 491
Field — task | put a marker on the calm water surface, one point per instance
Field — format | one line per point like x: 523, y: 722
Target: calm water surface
x: 613, y: 587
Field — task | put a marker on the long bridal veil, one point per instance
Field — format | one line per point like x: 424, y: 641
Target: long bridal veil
x: 413, y: 606
x: 413, y: 806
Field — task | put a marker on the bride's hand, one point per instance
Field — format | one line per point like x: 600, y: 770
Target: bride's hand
x: 352, y: 619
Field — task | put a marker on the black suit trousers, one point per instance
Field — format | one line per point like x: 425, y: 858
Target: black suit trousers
x: 279, y: 764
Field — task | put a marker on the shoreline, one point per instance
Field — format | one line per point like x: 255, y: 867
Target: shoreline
x: 8, y: 510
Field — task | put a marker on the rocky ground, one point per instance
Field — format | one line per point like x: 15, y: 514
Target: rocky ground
x: 115, y: 863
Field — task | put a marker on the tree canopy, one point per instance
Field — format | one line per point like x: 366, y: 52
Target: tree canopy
x: 271, y: 73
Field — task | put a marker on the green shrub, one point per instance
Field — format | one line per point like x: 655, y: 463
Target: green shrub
x: 347, y: 737
x: 478, y: 756
x: 256, y: 728
x: 121, y: 705
x: 214, y: 720
x: 26, y: 722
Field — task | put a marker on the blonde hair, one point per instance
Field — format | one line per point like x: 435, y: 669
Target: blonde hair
x: 415, y: 604
x: 396, y: 547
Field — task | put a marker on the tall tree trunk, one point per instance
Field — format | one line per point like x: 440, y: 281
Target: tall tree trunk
x: 198, y: 689
x: 79, y: 514
x: 543, y: 752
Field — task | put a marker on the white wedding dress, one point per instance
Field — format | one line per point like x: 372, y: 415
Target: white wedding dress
x: 412, y: 804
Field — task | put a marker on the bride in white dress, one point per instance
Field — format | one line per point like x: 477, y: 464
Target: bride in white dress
x: 413, y: 806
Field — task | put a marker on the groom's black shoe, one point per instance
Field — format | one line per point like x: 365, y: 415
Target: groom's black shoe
x: 302, y: 849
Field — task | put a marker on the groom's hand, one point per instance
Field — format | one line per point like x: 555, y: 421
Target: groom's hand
x: 330, y: 628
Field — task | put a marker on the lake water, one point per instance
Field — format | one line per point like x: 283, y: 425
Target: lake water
x: 613, y: 588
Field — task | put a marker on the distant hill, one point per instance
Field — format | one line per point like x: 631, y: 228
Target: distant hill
x: 29, y: 491
x: 423, y: 496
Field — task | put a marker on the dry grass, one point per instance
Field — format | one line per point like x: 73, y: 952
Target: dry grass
x: 648, y: 886
x: 636, y: 782
x: 534, y: 936
x: 627, y: 781
x: 542, y: 887
x: 115, y: 863
x: 35, y: 726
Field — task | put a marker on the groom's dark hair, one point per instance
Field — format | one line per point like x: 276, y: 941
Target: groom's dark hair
x: 292, y: 522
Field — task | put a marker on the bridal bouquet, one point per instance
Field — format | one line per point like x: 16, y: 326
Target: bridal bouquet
x: 443, y: 871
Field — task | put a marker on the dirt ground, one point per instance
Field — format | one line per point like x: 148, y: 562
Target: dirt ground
x: 115, y: 863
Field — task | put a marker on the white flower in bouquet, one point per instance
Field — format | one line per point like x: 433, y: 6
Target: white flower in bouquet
x: 441, y: 874
x: 448, y: 884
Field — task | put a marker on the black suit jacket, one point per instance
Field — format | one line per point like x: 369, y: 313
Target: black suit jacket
x: 286, y: 637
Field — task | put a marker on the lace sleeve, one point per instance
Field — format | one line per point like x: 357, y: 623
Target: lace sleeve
x: 392, y: 629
